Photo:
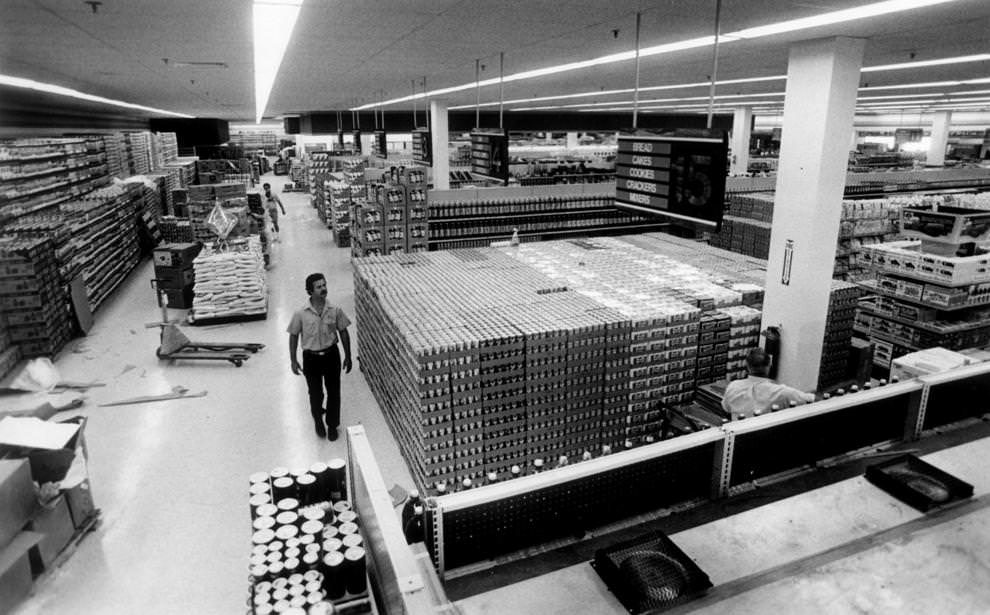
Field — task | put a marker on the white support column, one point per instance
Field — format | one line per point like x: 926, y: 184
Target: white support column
x: 939, y: 140
x: 572, y: 140
x: 742, y: 122
x: 819, y: 109
x: 439, y: 139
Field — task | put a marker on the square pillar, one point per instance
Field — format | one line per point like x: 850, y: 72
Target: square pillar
x: 819, y: 109
x: 439, y: 143
x: 939, y: 139
x: 742, y: 122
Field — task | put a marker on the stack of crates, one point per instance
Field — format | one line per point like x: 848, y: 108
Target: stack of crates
x: 417, y: 210
x: 838, y: 333
x: 466, y: 456
x: 174, y: 273
x: 585, y: 374
x: 546, y: 390
x: 32, y: 300
x: 392, y: 199
x: 616, y: 379
x: 713, y: 346
x: 744, y: 335
x: 369, y: 236
x: 502, y: 373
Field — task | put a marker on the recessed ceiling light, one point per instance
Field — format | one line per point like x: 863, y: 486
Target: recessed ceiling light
x: 273, y: 24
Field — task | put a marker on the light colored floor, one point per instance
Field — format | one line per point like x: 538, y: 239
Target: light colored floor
x: 171, y: 477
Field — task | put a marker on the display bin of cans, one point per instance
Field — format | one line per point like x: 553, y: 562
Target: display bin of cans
x: 307, y: 545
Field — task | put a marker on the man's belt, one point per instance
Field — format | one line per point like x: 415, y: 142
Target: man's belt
x: 320, y: 352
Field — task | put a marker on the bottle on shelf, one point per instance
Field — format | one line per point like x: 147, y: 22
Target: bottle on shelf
x: 411, y: 502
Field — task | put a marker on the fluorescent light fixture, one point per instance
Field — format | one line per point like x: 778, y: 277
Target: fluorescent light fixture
x: 925, y: 63
x: 38, y: 86
x: 273, y: 24
x: 875, y: 9
x: 835, y: 17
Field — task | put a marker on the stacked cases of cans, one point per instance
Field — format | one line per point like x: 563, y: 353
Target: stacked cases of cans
x: 32, y: 301
x: 744, y: 334
x: 307, y: 548
x: 838, y: 333
x: 714, y: 331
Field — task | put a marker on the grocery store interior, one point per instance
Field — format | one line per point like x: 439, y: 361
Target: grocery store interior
x: 558, y: 231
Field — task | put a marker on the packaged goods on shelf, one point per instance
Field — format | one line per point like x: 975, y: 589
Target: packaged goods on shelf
x: 176, y: 230
x: 32, y: 302
x: 230, y: 283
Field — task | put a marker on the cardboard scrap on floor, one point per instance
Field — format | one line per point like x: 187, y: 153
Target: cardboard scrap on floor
x: 177, y: 393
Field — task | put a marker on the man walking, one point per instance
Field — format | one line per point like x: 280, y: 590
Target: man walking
x: 273, y: 204
x: 318, y: 325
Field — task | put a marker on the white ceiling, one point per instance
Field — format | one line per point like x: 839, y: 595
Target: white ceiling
x: 348, y: 52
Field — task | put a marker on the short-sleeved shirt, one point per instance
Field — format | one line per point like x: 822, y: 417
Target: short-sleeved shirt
x: 318, y: 331
x: 746, y: 396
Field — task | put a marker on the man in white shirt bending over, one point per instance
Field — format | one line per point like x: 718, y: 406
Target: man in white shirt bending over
x: 757, y: 393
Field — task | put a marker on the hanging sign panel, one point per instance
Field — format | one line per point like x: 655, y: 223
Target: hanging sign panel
x: 422, y: 151
x: 379, y: 145
x: 490, y: 153
x: 675, y: 175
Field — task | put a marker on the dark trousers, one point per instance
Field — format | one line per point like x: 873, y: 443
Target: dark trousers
x: 323, y: 371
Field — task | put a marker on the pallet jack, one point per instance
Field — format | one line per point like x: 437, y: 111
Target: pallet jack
x: 175, y: 345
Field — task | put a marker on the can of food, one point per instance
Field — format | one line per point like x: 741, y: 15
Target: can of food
x: 312, y: 528
x: 264, y: 609
x: 258, y: 477
x: 263, y: 523
x: 284, y: 487
x: 282, y: 607
x: 313, y: 575
x: 341, y: 506
x: 291, y: 552
x: 356, y: 577
x: 266, y: 510
x: 311, y: 559
x: 332, y: 544
x: 297, y: 606
x: 287, y: 517
x: 352, y: 540
x: 275, y: 569
x: 319, y: 470
x: 287, y: 504
x: 284, y: 532
x: 337, y: 469
x: 313, y: 547
x: 263, y: 537
x: 306, y: 487
x: 347, y: 516
x: 330, y: 531
x: 315, y: 587
x: 257, y: 502
x: 272, y: 557
x: 264, y: 587
x: 259, y: 572
x: 257, y: 488
x: 296, y: 579
x: 347, y: 528
x: 322, y: 608
x: 278, y: 472
x: 333, y: 575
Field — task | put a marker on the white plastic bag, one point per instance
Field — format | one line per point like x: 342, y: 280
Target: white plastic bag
x: 37, y: 375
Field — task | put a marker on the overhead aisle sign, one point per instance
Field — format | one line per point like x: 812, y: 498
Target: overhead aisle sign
x: 379, y: 145
x: 678, y: 176
x: 490, y: 153
x: 421, y: 147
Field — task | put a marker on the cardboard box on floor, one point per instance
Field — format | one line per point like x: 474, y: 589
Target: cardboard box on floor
x: 15, y: 570
x: 17, y: 498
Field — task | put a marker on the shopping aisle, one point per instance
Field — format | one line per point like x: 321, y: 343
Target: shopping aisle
x: 171, y: 477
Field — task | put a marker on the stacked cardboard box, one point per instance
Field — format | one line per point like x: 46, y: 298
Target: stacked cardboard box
x: 138, y: 153
x: 838, y: 333
x: 174, y: 273
x: 32, y: 301
x: 744, y: 334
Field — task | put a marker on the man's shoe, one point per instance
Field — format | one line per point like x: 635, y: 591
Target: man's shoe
x: 333, y: 435
x: 321, y: 430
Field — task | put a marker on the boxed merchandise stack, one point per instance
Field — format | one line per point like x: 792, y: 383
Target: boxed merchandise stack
x: 185, y: 169
x: 318, y: 167
x: 169, y: 146
x: 224, y: 171
x: 714, y: 332
x: 298, y: 175
x: 32, y: 301
x: 339, y: 211
x: 369, y: 229
x: 392, y: 199
x: 174, y: 274
x: 116, y: 148
x: 10, y: 353
x: 838, y: 333
x: 138, y: 153
x: 744, y: 335
x: 417, y: 209
x: 230, y: 284
x: 176, y: 230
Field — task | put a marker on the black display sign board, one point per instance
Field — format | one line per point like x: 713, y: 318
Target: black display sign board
x: 379, y: 145
x: 490, y: 153
x: 357, y: 141
x: 679, y: 174
x: 422, y: 148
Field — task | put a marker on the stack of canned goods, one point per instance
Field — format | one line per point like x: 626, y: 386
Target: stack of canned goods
x: 307, y: 550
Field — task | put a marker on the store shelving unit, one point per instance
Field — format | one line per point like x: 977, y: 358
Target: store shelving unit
x: 472, y: 218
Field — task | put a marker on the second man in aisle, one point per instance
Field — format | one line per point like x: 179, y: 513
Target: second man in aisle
x: 316, y: 327
x: 273, y: 204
